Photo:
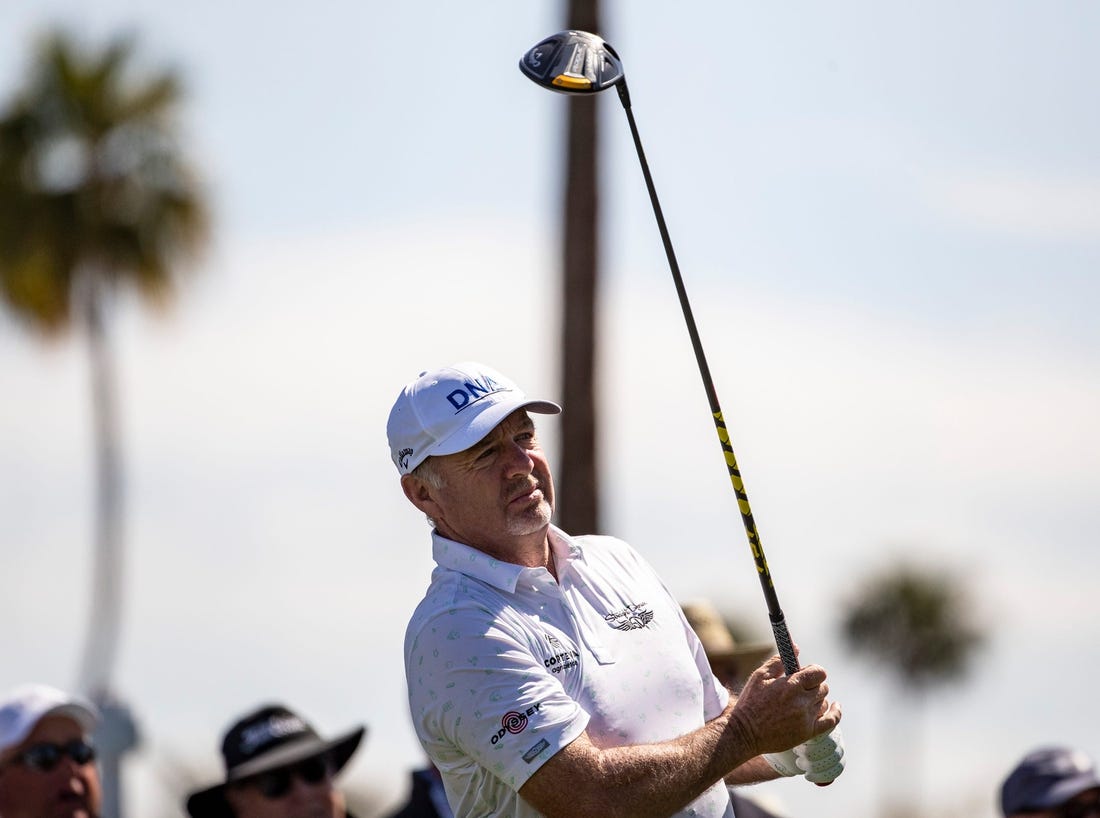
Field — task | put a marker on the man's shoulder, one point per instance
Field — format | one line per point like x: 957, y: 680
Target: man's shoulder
x: 453, y: 597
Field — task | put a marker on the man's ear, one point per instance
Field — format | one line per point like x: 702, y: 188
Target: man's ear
x: 420, y: 494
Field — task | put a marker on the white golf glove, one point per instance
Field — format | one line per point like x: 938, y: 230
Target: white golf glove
x: 821, y: 759
x: 785, y: 763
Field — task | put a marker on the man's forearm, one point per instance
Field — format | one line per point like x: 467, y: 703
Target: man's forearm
x: 752, y: 771
x: 639, y: 780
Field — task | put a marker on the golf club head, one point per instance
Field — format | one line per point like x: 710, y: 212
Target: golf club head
x: 573, y: 62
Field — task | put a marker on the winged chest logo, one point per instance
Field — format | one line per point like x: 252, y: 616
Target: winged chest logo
x: 630, y: 618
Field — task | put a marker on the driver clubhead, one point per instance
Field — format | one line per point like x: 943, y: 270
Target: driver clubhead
x: 573, y: 62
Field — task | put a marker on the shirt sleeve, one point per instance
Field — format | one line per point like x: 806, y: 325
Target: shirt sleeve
x: 477, y: 690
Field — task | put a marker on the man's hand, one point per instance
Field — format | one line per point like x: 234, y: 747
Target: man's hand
x: 821, y: 758
x: 776, y: 712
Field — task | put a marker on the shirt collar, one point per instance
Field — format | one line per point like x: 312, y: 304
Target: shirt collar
x: 457, y: 556
x: 564, y: 547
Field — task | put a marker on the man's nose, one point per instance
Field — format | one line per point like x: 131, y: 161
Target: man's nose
x: 76, y: 776
x: 518, y: 459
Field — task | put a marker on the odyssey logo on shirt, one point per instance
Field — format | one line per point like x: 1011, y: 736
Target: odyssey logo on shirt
x: 514, y: 722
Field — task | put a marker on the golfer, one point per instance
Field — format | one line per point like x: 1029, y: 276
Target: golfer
x: 555, y: 675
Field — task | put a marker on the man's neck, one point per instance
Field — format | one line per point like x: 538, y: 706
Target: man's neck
x: 529, y: 550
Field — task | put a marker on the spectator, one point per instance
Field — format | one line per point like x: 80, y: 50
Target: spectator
x: 47, y: 759
x: 1052, y: 782
x: 277, y: 766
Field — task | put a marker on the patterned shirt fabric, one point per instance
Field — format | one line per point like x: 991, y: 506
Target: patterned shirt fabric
x: 505, y: 666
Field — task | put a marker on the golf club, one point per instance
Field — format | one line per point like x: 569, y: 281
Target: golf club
x: 576, y: 62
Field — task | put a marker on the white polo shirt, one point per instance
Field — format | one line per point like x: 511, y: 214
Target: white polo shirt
x: 505, y: 666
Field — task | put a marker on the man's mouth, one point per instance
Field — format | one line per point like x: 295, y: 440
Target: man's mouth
x: 527, y: 494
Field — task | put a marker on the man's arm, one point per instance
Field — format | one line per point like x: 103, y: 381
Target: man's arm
x: 773, y: 713
x: 752, y: 771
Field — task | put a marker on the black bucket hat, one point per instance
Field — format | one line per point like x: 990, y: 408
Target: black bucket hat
x: 266, y: 739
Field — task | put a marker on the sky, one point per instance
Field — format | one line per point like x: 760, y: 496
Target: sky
x: 888, y: 220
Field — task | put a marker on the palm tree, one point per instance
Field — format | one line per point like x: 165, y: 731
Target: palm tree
x: 917, y: 625
x: 95, y: 196
x: 578, y: 501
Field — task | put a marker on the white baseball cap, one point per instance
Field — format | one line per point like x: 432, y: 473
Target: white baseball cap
x: 22, y: 708
x: 448, y: 410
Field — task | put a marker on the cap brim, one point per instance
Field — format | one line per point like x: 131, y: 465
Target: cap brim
x: 83, y: 714
x: 211, y: 803
x: 485, y: 422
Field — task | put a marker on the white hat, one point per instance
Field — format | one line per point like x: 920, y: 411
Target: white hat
x: 22, y: 708
x: 451, y: 409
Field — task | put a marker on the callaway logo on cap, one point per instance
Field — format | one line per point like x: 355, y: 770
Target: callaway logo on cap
x: 450, y: 409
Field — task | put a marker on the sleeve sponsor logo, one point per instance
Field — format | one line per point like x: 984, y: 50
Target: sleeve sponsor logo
x: 533, y: 753
x: 514, y: 722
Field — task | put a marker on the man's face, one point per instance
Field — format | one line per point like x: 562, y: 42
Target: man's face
x: 301, y: 790
x: 498, y: 492
x: 68, y: 790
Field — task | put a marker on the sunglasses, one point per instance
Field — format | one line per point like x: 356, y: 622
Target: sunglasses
x: 45, y: 757
x: 277, y: 783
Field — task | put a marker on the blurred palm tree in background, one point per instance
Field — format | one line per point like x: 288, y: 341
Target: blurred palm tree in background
x: 919, y: 626
x: 95, y: 197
